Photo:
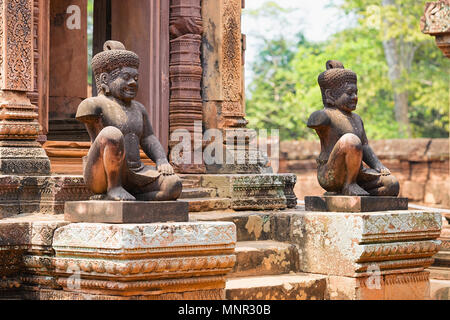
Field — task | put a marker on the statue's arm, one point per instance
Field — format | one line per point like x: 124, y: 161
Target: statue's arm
x: 150, y: 143
x: 369, y: 156
x: 318, y: 120
x: 90, y: 113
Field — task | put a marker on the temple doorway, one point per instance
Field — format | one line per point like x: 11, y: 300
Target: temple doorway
x: 62, y: 73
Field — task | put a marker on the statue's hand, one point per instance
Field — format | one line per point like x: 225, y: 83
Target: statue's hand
x: 166, y: 169
x: 383, y: 170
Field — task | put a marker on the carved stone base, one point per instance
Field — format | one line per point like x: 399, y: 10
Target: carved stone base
x: 254, y: 191
x: 23, y: 159
x: 126, y: 212
x: 39, y: 194
x: 58, y: 260
x: 376, y: 255
x: 354, y: 204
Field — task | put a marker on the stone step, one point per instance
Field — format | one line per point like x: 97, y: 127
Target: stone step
x: 192, y: 193
x: 258, y: 258
x: 294, y: 286
x: 191, y: 181
x: 207, y: 204
x: 252, y: 225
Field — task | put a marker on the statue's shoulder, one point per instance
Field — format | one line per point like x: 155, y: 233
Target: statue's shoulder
x: 318, y: 119
x: 91, y: 107
x: 139, y: 106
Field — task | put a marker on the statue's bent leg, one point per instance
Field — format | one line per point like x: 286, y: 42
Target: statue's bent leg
x: 165, y: 188
x: 339, y: 174
x: 105, y: 160
x: 383, y: 186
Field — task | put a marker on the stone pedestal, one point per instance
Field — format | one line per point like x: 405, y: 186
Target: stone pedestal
x: 49, y: 259
x: 126, y: 211
x: 355, y: 204
x: 377, y: 255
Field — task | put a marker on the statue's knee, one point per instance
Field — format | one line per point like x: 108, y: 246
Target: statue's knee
x: 111, y: 136
x: 351, y: 141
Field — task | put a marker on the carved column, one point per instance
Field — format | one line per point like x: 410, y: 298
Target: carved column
x: 223, y: 88
x: 186, y: 76
x: 20, y: 153
x: 222, y: 64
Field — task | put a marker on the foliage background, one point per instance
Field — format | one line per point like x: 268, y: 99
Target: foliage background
x: 283, y: 91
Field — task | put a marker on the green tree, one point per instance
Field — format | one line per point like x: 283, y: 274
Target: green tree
x: 284, y: 91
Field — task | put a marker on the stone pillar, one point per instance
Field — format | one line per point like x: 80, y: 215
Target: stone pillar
x: 20, y: 153
x: 222, y: 64
x: 369, y: 256
x: 223, y: 88
x: 186, y: 77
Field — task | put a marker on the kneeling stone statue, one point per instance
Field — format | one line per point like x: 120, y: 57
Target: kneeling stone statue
x: 344, y: 145
x: 118, y: 126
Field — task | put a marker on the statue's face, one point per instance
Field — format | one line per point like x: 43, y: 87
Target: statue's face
x: 125, y: 85
x: 348, y: 99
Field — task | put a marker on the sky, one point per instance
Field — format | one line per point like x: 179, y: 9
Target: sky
x: 317, y: 19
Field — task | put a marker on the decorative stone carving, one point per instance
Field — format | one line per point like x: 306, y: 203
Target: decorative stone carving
x: 254, y: 192
x: 57, y: 260
x: 19, y: 127
x: 186, y: 74
x: 41, y: 195
x: 356, y: 249
x: 436, y: 22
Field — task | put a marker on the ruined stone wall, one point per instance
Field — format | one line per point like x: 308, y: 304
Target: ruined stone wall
x: 421, y: 165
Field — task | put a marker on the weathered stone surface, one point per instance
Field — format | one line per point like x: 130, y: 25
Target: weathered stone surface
x: 254, y: 191
x: 286, y: 287
x: 440, y: 289
x: 126, y: 212
x: 356, y: 244
x: 355, y: 204
x: 165, y: 258
x: 258, y: 258
x: 39, y: 194
x: 406, y: 286
x: 56, y: 260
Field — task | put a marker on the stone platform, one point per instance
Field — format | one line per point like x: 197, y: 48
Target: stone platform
x: 332, y: 203
x: 126, y: 211
x: 47, y: 258
x: 369, y: 256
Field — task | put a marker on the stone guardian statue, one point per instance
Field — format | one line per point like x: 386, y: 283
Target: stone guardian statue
x: 118, y: 126
x: 344, y: 145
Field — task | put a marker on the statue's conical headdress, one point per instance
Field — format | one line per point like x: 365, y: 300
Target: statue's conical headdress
x: 335, y: 77
x: 113, y: 56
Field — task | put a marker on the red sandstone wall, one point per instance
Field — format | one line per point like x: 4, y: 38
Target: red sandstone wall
x: 421, y: 165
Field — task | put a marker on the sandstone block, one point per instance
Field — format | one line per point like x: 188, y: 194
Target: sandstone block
x: 355, y: 204
x: 126, y: 211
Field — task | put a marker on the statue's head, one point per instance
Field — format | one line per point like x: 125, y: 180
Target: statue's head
x: 116, y: 71
x: 339, y: 87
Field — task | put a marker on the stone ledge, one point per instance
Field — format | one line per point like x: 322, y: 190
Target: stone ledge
x: 126, y: 211
x: 354, y: 204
